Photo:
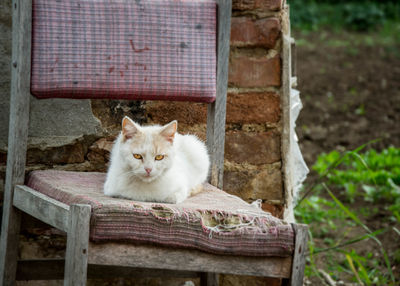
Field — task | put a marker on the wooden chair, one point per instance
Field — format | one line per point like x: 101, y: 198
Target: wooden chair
x: 88, y: 259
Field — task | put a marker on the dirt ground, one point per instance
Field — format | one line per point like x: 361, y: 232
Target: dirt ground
x: 350, y: 93
x: 350, y: 90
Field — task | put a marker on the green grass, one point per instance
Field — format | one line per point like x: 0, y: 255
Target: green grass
x: 351, y: 189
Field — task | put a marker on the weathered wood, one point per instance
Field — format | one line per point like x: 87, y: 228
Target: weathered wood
x: 209, y: 279
x: 53, y: 269
x: 216, y: 113
x: 18, y: 135
x: 76, y: 257
x: 299, y: 258
x: 287, y: 135
x: 42, y: 207
x: 145, y: 256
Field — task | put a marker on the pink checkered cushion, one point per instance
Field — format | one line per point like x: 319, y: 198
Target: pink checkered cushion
x: 212, y: 220
x: 138, y: 50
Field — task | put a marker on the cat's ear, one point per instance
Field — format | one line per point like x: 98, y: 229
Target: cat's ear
x: 168, y: 131
x: 129, y: 128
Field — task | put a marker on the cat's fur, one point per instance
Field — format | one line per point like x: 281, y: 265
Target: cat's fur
x: 172, y: 179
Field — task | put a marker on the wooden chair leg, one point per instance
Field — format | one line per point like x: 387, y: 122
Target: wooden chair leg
x: 9, y: 243
x: 209, y: 279
x: 76, y: 256
x: 299, y: 258
x: 17, y: 138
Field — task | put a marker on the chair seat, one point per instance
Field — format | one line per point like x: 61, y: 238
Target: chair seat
x: 212, y: 220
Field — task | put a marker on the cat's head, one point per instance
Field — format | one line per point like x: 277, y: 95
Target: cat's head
x: 147, y: 150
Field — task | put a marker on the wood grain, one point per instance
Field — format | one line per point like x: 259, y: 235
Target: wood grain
x: 299, y: 258
x: 76, y: 257
x: 216, y: 114
x: 18, y: 135
x: 287, y: 132
x: 42, y: 207
x: 146, y: 256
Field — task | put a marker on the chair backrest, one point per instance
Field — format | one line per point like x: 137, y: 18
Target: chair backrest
x: 149, y: 49
x: 142, y: 50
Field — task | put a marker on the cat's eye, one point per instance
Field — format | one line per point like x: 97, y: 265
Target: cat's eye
x: 137, y: 156
x: 159, y: 157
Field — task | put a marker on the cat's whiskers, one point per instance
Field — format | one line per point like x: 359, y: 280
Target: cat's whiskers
x: 129, y: 172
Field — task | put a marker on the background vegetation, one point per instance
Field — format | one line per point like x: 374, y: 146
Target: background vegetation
x: 351, y: 200
x: 348, y: 196
x: 357, y: 15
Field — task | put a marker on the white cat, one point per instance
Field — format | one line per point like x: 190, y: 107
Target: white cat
x: 155, y: 163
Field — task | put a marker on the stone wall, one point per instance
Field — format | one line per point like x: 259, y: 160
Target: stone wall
x: 80, y: 137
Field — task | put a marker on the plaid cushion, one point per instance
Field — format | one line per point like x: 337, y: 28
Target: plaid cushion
x: 212, y: 220
x: 138, y: 50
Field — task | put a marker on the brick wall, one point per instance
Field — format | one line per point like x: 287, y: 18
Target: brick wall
x: 253, y: 159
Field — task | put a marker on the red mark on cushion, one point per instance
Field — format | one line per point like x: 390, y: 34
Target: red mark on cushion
x: 141, y: 65
x: 121, y: 73
x: 138, y: 50
x: 111, y: 69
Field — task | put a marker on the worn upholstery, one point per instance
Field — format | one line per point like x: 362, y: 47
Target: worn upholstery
x: 142, y: 50
x: 212, y: 221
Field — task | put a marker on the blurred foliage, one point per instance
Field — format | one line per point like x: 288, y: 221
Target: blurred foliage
x: 357, y: 15
x: 373, y: 176
x: 367, y: 181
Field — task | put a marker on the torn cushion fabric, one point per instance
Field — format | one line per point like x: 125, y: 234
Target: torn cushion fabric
x: 211, y: 221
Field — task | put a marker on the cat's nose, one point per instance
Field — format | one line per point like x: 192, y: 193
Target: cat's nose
x: 148, y: 170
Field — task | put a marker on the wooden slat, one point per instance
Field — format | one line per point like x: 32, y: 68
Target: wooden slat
x: 299, y: 259
x: 287, y: 130
x: 18, y: 134
x: 143, y: 256
x: 53, y: 269
x: 42, y: 207
x: 217, y: 111
x: 76, y: 257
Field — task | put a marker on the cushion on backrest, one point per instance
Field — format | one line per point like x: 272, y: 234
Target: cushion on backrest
x: 124, y: 49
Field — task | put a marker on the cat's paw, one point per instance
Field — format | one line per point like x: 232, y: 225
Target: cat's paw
x: 180, y: 197
x: 176, y: 197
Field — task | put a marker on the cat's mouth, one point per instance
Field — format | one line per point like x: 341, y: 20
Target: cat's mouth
x: 147, y: 177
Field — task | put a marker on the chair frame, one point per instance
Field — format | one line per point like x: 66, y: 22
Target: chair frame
x: 89, y: 260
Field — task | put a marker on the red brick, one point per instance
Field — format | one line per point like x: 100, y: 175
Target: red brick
x: 247, y: 71
x: 163, y: 112
x: 253, y: 108
x: 253, y: 148
x: 272, y: 5
x: 275, y: 210
x: 246, y: 32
